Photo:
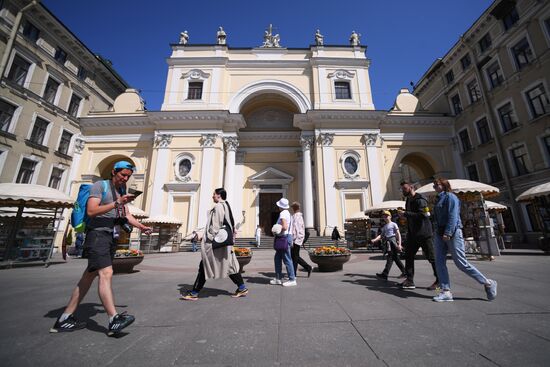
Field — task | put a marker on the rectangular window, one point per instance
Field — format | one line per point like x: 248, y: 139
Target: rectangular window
x: 26, y: 171
x: 342, y: 90
x: 195, y: 90
x: 55, y: 178
x: 546, y: 143
x: 450, y: 76
x: 511, y: 18
x: 30, y: 31
x: 19, y: 70
x: 473, y: 91
x: 457, y: 105
x: 495, y: 74
x: 74, y: 105
x: 60, y: 56
x: 82, y: 73
x: 522, y: 53
x: 64, y: 142
x: 472, y: 172
x: 466, y: 61
x: 39, y: 131
x: 533, y: 217
x: 519, y: 157
x: 507, y: 117
x: 494, y: 169
x: 538, y: 101
x: 51, y: 90
x: 6, y: 115
x: 483, y: 130
x: 484, y: 43
x: 465, y: 140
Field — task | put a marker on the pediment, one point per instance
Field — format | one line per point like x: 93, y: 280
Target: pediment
x: 271, y: 175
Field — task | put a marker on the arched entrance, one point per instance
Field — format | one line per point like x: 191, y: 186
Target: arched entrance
x: 416, y: 167
x: 105, y: 167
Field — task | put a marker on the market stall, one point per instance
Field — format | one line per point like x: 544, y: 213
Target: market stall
x: 376, y: 221
x: 495, y: 212
x: 478, y: 231
x: 133, y: 241
x: 357, y: 230
x: 165, y: 236
x: 29, y: 217
x: 539, y: 196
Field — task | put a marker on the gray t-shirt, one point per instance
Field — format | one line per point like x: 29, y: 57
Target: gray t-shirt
x: 390, y: 230
x: 97, y: 192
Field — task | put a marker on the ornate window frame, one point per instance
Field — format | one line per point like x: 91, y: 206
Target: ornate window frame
x: 342, y: 75
x: 194, y: 75
x: 354, y: 155
x: 180, y: 158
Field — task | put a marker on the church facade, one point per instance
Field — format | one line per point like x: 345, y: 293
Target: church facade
x: 265, y: 123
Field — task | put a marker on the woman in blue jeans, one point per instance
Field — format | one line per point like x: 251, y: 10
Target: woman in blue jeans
x: 285, y: 221
x: 448, y: 238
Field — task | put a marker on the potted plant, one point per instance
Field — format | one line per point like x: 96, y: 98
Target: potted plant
x: 330, y: 258
x: 125, y: 260
x: 244, y: 255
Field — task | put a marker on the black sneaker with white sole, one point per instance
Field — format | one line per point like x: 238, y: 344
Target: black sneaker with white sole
x: 120, y: 321
x: 67, y: 325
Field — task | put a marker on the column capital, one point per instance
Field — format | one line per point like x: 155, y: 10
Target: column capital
x: 326, y: 139
x: 162, y: 140
x: 307, y: 142
x: 208, y: 140
x: 231, y: 143
x: 370, y: 139
x: 79, y: 144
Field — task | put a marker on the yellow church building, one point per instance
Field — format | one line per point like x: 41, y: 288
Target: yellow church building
x: 266, y: 122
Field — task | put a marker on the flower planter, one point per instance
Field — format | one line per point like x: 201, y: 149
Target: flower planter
x: 243, y: 260
x: 126, y: 264
x: 327, y: 263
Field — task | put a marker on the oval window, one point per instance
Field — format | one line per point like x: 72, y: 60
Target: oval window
x: 350, y: 165
x: 184, y: 167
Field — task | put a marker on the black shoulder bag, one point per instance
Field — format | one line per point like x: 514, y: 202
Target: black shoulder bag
x: 224, y: 237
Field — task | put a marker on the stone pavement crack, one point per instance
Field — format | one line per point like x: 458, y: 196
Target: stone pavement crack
x: 125, y: 349
x: 489, y: 359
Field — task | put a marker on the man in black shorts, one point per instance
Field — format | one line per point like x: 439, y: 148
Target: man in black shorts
x: 105, y: 209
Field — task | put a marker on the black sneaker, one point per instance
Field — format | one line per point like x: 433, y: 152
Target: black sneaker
x: 120, y: 321
x: 240, y: 293
x: 382, y: 276
x: 69, y: 324
x: 407, y: 284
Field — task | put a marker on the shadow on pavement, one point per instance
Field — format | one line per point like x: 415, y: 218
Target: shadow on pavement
x: 205, y: 292
x: 85, y: 312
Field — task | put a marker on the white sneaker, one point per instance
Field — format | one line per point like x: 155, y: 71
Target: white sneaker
x: 443, y: 296
x: 275, y: 282
x: 290, y: 283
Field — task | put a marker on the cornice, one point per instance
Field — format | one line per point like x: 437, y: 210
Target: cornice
x: 351, y: 184
x: 268, y: 135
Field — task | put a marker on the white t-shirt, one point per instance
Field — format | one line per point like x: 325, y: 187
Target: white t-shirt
x: 390, y: 230
x: 285, y: 214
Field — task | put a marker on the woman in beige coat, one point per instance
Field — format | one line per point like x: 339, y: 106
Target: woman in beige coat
x: 221, y: 262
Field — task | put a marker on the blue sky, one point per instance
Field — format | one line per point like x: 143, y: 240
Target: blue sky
x: 403, y: 37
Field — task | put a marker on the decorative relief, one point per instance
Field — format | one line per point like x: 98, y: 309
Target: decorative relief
x: 307, y: 142
x: 79, y: 144
x: 162, y: 140
x: 341, y: 74
x: 231, y: 143
x: 326, y: 139
x: 370, y: 139
x: 195, y: 74
x: 208, y: 140
x: 270, y: 40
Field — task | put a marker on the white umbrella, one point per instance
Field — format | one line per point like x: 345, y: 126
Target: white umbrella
x: 162, y: 219
x: 357, y: 216
x: 491, y: 205
x: 463, y: 186
x: 533, y: 192
x: 136, y: 212
x: 386, y: 205
x: 14, y: 194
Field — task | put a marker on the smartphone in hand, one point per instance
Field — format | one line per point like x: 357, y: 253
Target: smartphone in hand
x: 136, y: 193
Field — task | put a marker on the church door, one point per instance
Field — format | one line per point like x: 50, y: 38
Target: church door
x: 269, y: 212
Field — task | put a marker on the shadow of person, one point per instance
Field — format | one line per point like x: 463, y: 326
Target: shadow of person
x: 205, y: 292
x: 85, y: 312
x: 257, y: 280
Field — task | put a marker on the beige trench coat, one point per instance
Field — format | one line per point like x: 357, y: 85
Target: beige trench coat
x: 221, y: 262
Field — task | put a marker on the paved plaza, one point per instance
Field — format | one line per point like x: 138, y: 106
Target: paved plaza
x: 347, y: 318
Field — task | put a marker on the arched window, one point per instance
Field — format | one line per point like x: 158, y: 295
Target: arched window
x: 183, y: 166
x: 350, y: 164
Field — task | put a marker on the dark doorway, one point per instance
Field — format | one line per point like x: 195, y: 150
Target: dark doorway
x: 269, y: 212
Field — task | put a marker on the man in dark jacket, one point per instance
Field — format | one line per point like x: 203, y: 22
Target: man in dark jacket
x: 419, y: 233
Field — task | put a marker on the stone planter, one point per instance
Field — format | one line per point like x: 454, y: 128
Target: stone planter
x: 329, y: 262
x: 243, y: 260
x: 126, y: 264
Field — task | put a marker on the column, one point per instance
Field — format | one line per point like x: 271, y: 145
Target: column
x: 307, y: 188
x: 329, y: 167
x: 375, y: 170
x: 207, y: 175
x: 79, y: 144
x: 231, y: 144
x: 161, y: 143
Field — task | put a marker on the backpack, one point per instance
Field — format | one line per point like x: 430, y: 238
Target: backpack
x: 79, y: 217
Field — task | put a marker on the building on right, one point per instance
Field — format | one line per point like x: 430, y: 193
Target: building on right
x: 494, y: 83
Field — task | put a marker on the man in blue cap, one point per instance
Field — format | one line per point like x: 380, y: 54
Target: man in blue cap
x: 108, y: 216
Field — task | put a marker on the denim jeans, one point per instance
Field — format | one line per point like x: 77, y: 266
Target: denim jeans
x: 455, y: 246
x: 284, y: 256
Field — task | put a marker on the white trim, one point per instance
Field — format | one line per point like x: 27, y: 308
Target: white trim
x: 281, y: 178
x: 329, y: 166
x: 180, y: 157
x: 415, y: 136
x: 273, y: 86
x: 545, y: 29
x: 460, y: 141
x: 497, y: 114
x: 30, y: 72
x: 80, y: 104
x: 468, y: 164
x: 55, y: 101
x: 483, y: 71
x: 190, y: 214
x: 466, y: 83
x: 343, y: 194
x: 488, y: 172
x: 119, y: 138
x: 48, y: 128
x: 36, y: 172
x: 510, y: 156
x: 207, y: 182
x: 476, y: 128
x: 511, y: 43
x: 532, y: 86
x: 542, y: 146
x: 354, y: 155
x: 269, y: 149
x: 16, y: 114
x: 3, y: 156
x: 259, y: 191
x: 450, y: 99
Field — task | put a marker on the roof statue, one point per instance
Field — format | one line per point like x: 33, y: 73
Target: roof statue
x: 354, y: 39
x: 270, y: 40
x: 319, y: 38
x: 222, y: 36
x: 184, y: 38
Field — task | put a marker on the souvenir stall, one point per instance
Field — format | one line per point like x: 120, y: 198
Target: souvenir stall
x: 478, y: 231
x: 539, y: 196
x: 357, y: 230
x: 29, y: 220
x: 132, y: 242
x: 165, y: 236
x: 376, y: 221
x: 495, y: 212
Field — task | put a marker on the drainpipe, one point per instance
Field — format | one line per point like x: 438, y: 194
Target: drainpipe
x: 13, y: 36
x: 492, y: 120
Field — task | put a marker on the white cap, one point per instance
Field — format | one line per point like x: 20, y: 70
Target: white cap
x: 283, y: 203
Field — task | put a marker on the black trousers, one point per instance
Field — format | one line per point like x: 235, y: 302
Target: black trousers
x: 296, y: 259
x: 413, y: 244
x: 201, y: 279
x: 393, y: 256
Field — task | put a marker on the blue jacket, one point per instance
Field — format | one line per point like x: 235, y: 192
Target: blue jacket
x: 447, y: 213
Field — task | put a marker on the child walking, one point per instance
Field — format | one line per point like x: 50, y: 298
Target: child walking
x: 391, y: 239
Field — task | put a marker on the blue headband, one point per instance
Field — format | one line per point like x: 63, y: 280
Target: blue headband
x: 124, y: 165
